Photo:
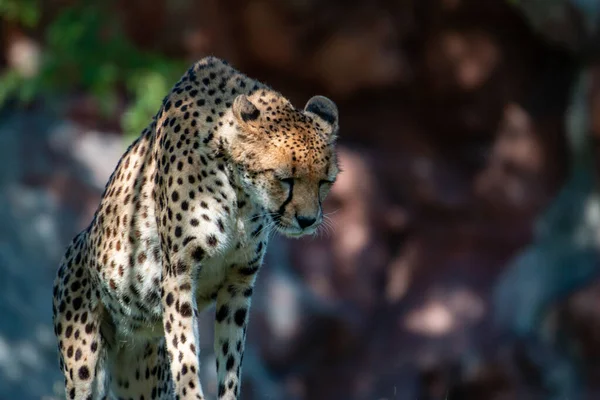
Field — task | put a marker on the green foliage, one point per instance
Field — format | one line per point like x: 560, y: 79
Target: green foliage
x: 26, y: 12
x: 85, y: 49
x: 12, y: 84
x: 148, y: 88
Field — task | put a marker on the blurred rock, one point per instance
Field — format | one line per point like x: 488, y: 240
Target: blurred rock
x: 517, y: 166
x: 358, y: 45
x: 571, y: 23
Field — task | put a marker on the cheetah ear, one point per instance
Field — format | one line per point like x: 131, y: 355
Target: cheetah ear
x: 326, y: 110
x: 244, y: 111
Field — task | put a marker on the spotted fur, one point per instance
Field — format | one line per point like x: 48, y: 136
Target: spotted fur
x: 184, y: 222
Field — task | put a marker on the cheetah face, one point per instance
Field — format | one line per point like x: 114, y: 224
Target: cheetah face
x: 287, y: 157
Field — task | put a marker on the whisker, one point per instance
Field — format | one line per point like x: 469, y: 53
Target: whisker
x: 266, y: 227
x: 328, y: 226
x: 273, y: 231
x: 331, y: 212
x: 258, y: 216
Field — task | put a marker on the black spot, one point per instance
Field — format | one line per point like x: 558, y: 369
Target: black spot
x: 187, y: 240
x: 230, y: 363
x: 220, y: 225
x: 240, y: 316
x: 198, y: 254
x: 77, y: 303
x: 84, y: 373
x: 222, y: 313
x: 181, y: 268
x: 211, y: 240
x: 169, y: 299
x: 225, y: 348
x: 248, y: 270
x: 185, y: 310
x: 75, y: 286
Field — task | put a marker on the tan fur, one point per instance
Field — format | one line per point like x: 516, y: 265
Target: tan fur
x: 184, y: 222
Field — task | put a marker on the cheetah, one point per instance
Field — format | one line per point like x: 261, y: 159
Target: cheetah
x: 183, y: 223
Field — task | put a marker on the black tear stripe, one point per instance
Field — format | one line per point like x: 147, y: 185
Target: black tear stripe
x: 287, y: 201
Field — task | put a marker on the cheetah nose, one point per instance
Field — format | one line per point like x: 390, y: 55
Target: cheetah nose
x: 305, y: 222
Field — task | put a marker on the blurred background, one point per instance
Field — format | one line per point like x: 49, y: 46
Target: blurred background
x: 462, y: 261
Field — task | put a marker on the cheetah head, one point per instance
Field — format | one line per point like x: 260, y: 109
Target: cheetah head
x: 286, y: 157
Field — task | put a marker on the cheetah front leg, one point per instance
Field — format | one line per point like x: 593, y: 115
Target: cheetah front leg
x: 77, y: 316
x: 231, y: 319
x: 180, y: 321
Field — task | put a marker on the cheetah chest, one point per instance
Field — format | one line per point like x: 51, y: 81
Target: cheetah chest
x: 211, y: 276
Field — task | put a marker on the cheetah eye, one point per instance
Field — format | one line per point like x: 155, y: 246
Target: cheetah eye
x: 287, y: 181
